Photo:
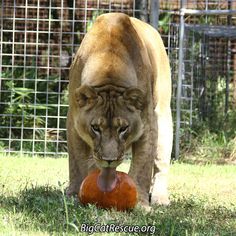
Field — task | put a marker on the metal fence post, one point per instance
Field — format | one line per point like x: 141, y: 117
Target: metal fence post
x: 1, y: 39
x: 180, y: 78
x: 154, y: 13
x: 143, y: 13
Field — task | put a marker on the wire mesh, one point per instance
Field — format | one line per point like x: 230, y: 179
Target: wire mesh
x: 39, y: 38
x: 37, y: 43
x: 208, y: 68
x: 197, y: 4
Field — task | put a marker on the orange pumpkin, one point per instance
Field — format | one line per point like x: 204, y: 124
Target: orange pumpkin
x: 121, y: 192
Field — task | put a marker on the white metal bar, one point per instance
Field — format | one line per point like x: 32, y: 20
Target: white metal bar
x: 207, y: 12
x: 48, y: 73
x: 59, y: 83
x: 179, y: 86
x: 13, y: 62
x: 85, y: 16
x: 24, y: 75
x: 36, y: 77
x: 110, y: 6
x: 199, y: 12
x: 1, y: 48
x: 154, y: 16
x: 134, y: 7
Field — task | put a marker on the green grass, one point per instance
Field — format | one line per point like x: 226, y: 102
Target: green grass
x: 32, y: 201
x: 208, y: 147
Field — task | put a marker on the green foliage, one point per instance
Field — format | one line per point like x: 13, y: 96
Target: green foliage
x: 211, y: 145
x: 210, y: 136
x: 163, y: 23
x: 27, y: 99
x: 20, y: 104
x: 213, y: 134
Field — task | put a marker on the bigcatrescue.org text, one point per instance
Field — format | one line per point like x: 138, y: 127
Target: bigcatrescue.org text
x: 109, y: 228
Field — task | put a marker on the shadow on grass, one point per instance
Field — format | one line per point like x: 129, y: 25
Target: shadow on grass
x: 41, y: 207
x: 46, y: 209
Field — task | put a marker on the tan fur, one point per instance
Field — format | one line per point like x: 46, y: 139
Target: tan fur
x: 119, y: 97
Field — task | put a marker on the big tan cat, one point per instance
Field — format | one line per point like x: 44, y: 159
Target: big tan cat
x: 119, y: 98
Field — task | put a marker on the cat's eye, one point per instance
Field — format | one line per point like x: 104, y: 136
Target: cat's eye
x: 123, y: 130
x: 95, y: 129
